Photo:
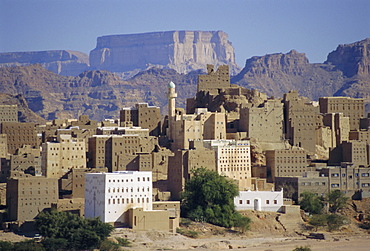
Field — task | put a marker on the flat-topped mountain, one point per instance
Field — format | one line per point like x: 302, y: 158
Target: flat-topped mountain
x: 63, y: 62
x: 183, y: 51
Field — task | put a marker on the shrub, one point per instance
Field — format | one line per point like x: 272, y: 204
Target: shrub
x: 188, y: 233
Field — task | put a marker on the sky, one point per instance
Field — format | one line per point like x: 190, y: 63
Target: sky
x: 255, y: 27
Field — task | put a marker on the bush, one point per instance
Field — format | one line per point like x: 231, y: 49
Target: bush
x: 302, y: 248
x: 6, y: 246
x: 78, y: 233
x: 109, y: 246
x: 123, y: 242
x: 188, y: 233
x: 332, y: 221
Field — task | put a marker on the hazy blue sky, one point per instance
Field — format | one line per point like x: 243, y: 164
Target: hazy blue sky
x: 255, y: 28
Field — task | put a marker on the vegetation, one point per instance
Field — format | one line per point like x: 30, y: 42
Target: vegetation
x: 27, y: 245
x: 318, y: 220
x: 302, y: 248
x: 209, y: 197
x: 331, y: 221
x: 311, y: 203
x: 337, y: 200
x: 314, y: 205
x: 188, y: 233
x: 62, y: 230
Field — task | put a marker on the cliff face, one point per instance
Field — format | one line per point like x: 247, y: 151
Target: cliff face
x: 183, y: 51
x: 66, y: 63
x: 352, y: 59
x: 346, y: 72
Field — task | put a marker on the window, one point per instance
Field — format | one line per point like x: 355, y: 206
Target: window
x: 267, y: 202
x: 248, y: 202
x: 240, y: 202
x: 275, y: 201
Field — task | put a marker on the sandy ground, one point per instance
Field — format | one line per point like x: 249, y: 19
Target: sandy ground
x: 158, y: 240
x: 155, y: 240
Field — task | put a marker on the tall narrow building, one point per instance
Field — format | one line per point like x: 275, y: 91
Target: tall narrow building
x: 171, y: 95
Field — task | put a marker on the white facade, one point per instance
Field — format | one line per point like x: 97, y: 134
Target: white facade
x: 233, y: 159
x: 259, y: 200
x: 110, y: 195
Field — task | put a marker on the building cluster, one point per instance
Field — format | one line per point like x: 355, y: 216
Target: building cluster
x: 131, y: 171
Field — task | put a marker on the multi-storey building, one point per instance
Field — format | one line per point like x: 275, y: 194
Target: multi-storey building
x: 352, y: 151
x: 26, y: 160
x: 339, y: 126
x: 19, y: 134
x: 362, y: 135
x: 57, y: 158
x: 3, y: 146
x: 263, y: 123
x: 311, y: 181
x: 118, y: 152
x: 181, y: 164
x: 110, y: 195
x: 27, y: 197
x: 8, y: 113
x: 141, y: 132
x: 300, y: 121
x: 214, y: 81
x: 233, y: 159
x: 286, y: 162
x: 202, y: 125
x: 144, y: 116
x: 72, y: 184
x: 348, y: 178
x: 350, y: 107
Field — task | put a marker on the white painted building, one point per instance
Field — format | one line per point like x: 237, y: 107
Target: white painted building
x: 110, y: 195
x: 233, y: 159
x: 259, y: 200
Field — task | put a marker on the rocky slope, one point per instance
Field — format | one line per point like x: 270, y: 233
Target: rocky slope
x: 66, y: 63
x: 346, y: 72
x: 183, y: 51
x: 25, y: 114
x: 99, y: 94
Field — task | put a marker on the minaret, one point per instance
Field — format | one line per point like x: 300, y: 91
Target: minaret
x: 171, y: 95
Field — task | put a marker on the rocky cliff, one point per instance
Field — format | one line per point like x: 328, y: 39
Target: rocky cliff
x: 66, y: 63
x: 25, y: 114
x: 346, y: 72
x: 352, y: 59
x: 183, y: 51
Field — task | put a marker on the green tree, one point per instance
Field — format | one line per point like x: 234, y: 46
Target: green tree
x: 311, y: 203
x: 209, y: 197
x: 78, y: 232
x: 335, y: 221
x: 318, y: 220
x: 337, y: 200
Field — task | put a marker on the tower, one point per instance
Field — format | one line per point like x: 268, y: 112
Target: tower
x: 171, y: 95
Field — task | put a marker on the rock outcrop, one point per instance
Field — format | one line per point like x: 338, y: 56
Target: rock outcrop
x: 352, y: 59
x: 183, y: 51
x: 66, y: 63
x: 346, y: 72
